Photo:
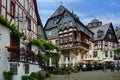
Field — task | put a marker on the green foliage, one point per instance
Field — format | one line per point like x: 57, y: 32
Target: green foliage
x: 25, y: 77
x: 34, y: 75
x: 55, y: 57
x: 34, y: 41
x: 44, y: 45
x: 12, y: 27
x: 48, y: 74
x: 117, y: 51
x: 8, y: 75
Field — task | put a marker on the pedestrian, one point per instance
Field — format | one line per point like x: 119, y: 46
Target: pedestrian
x: 118, y: 66
x: 112, y: 66
x: 104, y: 66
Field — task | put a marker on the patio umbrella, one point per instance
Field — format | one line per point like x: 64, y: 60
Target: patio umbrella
x: 66, y: 61
x: 89, y: 60
x: 73, y: 61
x: 59, y: 62
x: 83, y: 62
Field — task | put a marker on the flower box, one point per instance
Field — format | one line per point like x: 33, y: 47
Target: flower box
x: 12, y: 48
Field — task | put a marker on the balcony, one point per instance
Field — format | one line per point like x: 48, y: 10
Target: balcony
x: 75, y: 45
x: 81, y: 45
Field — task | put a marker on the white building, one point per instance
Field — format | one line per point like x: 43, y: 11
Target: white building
x: 105, y: 41
x: 14, y: 55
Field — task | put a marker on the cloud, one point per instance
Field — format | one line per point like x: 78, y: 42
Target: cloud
x: 113, y: 3
x: 105, y: 18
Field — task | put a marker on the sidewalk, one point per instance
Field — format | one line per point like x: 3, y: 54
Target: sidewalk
x: 88, y: 75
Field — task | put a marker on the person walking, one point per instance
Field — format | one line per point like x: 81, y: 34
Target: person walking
x: 112, y: 66
x: 118, y: 66
x: 104, y: 66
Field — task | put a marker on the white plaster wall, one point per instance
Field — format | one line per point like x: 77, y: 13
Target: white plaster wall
x: 5, y: 41
x: 21, y: 70
x: 34, y: 68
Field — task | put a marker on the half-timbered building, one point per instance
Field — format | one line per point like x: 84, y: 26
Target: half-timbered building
x: 17, y: 54
x: 105, y: 40
x: 65, y: 29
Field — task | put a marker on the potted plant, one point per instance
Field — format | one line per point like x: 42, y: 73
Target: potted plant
x: 12, y: 48
x: 8, y: 75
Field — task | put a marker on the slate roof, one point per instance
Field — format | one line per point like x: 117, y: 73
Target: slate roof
x: 56, y: 14
x: 103, y: 28
x: 117, y: 31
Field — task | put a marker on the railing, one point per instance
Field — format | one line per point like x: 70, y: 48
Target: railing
x: 81, y: 44
x: 73, y: 45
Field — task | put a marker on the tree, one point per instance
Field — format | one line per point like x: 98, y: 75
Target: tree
x: 117, y: 53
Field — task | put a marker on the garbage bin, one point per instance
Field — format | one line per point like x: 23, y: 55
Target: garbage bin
x: 43, y: 74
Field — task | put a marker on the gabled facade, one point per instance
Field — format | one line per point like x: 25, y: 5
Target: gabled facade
x: 117, y: 31
x: 105, y: 41
x: 14, y: 52
x: 65, y: 29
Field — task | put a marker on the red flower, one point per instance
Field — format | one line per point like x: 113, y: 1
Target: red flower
x: 11, y: 47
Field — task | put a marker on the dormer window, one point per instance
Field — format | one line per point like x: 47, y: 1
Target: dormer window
x: 99, y: 33
x: 65, y: 24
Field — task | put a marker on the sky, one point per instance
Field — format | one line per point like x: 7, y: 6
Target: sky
x: 105, y: 10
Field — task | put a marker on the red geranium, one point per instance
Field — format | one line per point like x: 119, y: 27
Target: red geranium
x: 11, y: 47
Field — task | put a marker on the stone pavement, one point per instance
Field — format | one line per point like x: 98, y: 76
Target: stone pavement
x: 88, y: 75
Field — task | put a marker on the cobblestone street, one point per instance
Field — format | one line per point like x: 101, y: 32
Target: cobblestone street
x: 89, y: 75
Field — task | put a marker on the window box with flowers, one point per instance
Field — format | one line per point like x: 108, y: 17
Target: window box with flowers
x: 30, y: 51
x: 12, y: 48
